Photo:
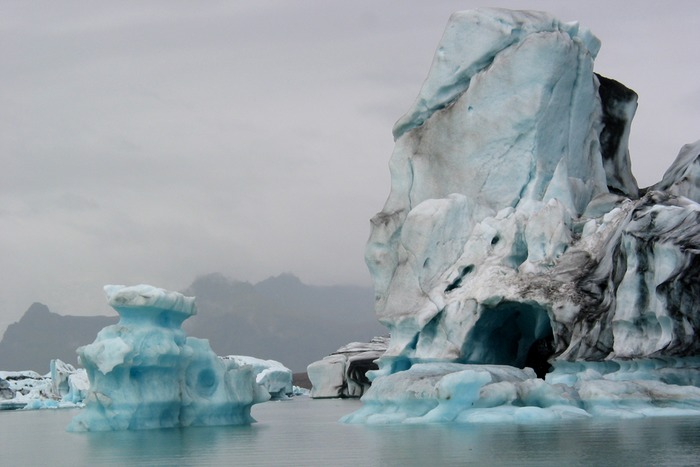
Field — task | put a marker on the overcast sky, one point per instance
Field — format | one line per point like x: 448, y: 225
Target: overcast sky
x: 155, y: 141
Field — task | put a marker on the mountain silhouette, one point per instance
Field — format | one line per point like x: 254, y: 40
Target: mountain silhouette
x: 280, y: 318
x: 41, y: 335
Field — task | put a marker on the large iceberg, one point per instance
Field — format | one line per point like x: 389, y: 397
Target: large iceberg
x: 515, y: 235
x: 146, y: 373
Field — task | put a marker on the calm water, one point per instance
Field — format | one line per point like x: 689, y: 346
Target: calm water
x: 305, y: 432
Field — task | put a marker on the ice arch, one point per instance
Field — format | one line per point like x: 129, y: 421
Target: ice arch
x: 511, y: 333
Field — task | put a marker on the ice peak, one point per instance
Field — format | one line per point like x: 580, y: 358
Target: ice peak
x: 147, y: 297
x: 471, y: 41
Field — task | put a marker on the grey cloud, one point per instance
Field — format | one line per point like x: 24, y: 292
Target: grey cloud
x: 153, y: 142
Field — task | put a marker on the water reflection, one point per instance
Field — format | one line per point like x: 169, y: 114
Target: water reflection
x: 306, y: 432
x: 660, y: 441
x: 162, y: 446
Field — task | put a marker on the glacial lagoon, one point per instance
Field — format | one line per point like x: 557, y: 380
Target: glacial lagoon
x: 302, y: 431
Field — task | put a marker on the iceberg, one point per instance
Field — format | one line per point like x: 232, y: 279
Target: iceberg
x: 63, y: 387
x: 515, y: 235
x: 145, y: 373
x: 67, y: 387
x: 270, y: 375
x: 69, y: 383
x: 344, y: 372
x: 25, y: 389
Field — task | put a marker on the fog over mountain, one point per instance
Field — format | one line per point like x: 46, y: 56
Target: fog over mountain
x: 280, y: 318
x: 152, y: 142
x: 41, y: 335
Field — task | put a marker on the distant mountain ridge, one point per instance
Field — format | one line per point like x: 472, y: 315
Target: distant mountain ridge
x: 41, y: 335
x: 280, y: 318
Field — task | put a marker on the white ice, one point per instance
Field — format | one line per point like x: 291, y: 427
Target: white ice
x: 342, y: 374
x: 63, y: 387
x: 270, y: 375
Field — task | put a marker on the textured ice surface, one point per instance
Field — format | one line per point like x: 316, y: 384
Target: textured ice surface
x: 63, y: 387
x: 69, y: 383
x: 515, y: 233
x: 145, y: 372
x: 449, y: 392
x: 453, y: 392
x: 270, y: 375
x: 343, y: 373
x: 22, y: 389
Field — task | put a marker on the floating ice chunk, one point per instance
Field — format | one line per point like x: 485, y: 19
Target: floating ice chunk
x: 271, y: 375
x: 327, y: 376
x: 437, y: 392
x: 69, y: 383
x: 28, y: 388
x: 344, y: 373
x: 145, y: 372
x: 63, y: 387
x: 451, y: 392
